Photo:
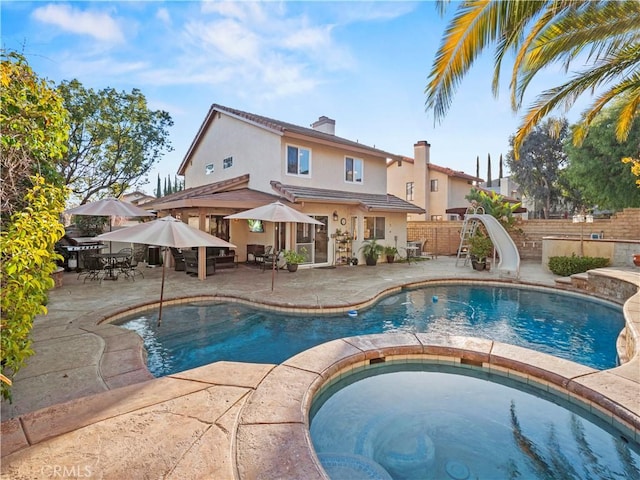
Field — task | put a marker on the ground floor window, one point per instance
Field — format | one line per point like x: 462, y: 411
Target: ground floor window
x: 374, y: 228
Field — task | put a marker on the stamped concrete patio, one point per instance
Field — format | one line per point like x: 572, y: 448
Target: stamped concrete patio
x: 86, y: 407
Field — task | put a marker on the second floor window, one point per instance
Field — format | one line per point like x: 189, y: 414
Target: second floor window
x: 298, y: 160
x: 227, y: 162
x: 208, y: 169
x: 434, y: 185
x: 353, y: 170
x: 409, y: 192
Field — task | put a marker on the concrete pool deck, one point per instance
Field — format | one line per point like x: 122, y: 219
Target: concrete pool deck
x: 86, y: 407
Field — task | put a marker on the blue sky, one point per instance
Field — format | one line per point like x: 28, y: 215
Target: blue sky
x: 364, y: 64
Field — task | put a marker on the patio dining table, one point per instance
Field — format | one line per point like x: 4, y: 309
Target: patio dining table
x: 111, y: 263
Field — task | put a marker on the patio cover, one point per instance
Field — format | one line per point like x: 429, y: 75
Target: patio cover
x: 368, y: 202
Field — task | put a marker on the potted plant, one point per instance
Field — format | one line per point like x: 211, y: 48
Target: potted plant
x: 480, y: 247
x: 294, y: 258
x: 390, y: 253
x: 371, y: 250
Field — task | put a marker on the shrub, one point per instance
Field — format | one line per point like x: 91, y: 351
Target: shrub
x: 27, y: 262
x: 567, y: 266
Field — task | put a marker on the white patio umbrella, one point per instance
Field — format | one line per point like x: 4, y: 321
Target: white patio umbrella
x: 109, y: 207
x: 275, y: 212
x: 166, y: 232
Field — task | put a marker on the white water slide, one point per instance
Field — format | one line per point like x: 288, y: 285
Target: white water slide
x: 505, y: 246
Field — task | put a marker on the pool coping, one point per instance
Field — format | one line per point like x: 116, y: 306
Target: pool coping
x: 274, y: 415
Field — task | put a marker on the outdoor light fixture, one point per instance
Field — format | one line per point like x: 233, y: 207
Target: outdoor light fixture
x: 335, y: 216
x: 581, y: 218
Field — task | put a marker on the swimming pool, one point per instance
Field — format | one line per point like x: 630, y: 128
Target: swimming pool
x: 421, y: 420
x: 568, y: 326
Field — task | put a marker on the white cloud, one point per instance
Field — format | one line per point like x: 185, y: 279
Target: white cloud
x: 352, y: 12
x: 98, y: 25
x: 228, y: 39
x: 163, y: 15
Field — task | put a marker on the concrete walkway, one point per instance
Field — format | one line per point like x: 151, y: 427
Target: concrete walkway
x: 86, y: 407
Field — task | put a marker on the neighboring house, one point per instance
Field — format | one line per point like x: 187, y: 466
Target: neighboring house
x: 434, y: 188
x: 240, y: 160
x: 137, y: 198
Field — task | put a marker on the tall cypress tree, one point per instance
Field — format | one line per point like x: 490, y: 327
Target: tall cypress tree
x: 489, y: 170
x: 478, y: 166
x: 165, y: 186
x: 500, y: 175
x: 169, y: 188
x: 158, y: 188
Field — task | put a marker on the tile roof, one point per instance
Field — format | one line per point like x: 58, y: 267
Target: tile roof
x: 231, y: 193
x: 365, y: 201
x: 446, y: 170
x: 283, y: 127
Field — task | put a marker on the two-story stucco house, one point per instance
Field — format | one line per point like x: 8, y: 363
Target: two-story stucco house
x: 434, y: 188
x: 240, y: 160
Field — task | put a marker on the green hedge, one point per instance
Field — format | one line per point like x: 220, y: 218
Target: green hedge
x: 567, y: 266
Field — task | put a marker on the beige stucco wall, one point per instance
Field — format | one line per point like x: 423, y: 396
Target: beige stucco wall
x: 397, y: 178
x: 395, y: 229
x: 451, y: 190
x: 328, y: 169
x: 262, y: 154
x: 458, y: 189
x: 229, y: 137
x: 438, y: 201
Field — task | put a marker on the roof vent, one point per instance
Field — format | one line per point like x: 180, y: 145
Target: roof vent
x: 325, y: 125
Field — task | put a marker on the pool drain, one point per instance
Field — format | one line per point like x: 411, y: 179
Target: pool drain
x: 457, y: 470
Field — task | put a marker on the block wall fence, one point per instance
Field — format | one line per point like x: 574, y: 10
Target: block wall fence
x: 443, y: 237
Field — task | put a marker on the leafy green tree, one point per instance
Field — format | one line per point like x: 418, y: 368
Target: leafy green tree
x: 34, y: 134
x: 542, y: 158
x: 33, y: 131
x: 495, y: 205
x: 114, y: 140
x: 601, y: 37
x: 595, y: 167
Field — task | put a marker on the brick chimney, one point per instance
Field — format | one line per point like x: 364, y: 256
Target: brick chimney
x: 325, y: 125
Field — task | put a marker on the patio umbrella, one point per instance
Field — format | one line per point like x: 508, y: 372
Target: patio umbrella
x: 166, y: 232
x: 109, y: 207
x: 275, y: 212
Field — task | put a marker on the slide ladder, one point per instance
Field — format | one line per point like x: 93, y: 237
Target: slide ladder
x: 469, y: 227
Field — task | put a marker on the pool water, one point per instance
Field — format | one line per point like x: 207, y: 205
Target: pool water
x: 567, y: 326
x: 426, y: 421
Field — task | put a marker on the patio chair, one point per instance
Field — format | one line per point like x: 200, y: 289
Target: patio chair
x: 262, y: 258
x: 130, y: 268
x: 178, y: 259
x: 191, y: 263
x: 94, y: 269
